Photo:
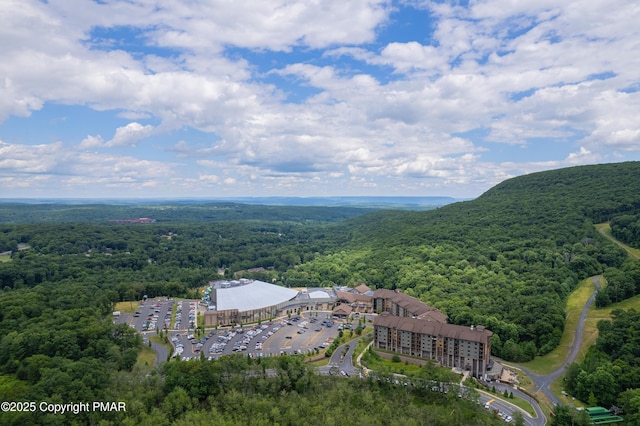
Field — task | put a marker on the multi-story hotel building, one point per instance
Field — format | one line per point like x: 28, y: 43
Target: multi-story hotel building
x: 410, y: 327
x: 400, y: 305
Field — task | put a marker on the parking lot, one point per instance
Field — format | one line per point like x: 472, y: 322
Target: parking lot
x: 297, y: 334
x: 149, y: 316
x: 186, y: 315
x: 293, y: 335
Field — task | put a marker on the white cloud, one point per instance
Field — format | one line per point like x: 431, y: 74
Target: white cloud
x: 207, y: 179
x: 130, y: 134
x: 33, y: 167
x: 511, y: 71
x: 92, y: 142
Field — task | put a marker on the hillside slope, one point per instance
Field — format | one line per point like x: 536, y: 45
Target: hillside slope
x: 507, y: 259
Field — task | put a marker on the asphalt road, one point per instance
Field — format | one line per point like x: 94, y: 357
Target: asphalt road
x: 542, y: 382
x: 161, y: 353
x: 341, y: 360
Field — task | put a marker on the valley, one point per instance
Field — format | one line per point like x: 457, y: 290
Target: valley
x: 517, y: 260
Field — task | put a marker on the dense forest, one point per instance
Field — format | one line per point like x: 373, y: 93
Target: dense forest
x: 610, y: 372
x: 626, y: 228
x: 622, y: 283
x: 506, y: 260
x: 15, y: 212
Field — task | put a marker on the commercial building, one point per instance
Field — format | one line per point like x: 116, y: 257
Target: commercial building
x: 400, y: 305
x: 243, y: 301
x: 410, y: 327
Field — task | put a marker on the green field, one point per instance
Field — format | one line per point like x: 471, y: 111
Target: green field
x: 575, y: 304
x: 126, y: 307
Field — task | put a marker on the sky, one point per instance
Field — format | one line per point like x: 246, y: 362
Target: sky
x: 221, y: 98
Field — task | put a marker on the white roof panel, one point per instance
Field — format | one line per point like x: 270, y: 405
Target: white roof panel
x: 319, y: 294
x: 255, y: 295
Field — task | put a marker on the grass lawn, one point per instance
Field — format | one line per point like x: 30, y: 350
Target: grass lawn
x: 388, y: 366
x: 174, y: 311
x: 126, y: 307
x: 146, y: 358
x: 605, y: 230
x: 518, y: 402
x: 589, y: 337
x: 320, y: 363
x: 164, y: 341
x: 575, y: 303
x: 362, y: 344
x: 595, y: 315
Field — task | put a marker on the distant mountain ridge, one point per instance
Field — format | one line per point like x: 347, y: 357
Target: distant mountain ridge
x: 299, y: 209
x: 378, y: 202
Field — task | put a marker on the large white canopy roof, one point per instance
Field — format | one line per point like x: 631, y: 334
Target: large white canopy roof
x: 253, y: 295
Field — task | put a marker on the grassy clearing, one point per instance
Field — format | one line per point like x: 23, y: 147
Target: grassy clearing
x: 575, y: 303
x: 174, y: 311
x: 388, y: 366
x: 146, y: 358
x: 162, y: 340
x: 590, y: 332
x: 557, y: 387
x: 5, y: 258
x: 320, y: 363
x: 595, y: 315
x: 605, y: 229
x: 126, y: 307
x: 362, y: 345
x: 525, y: 405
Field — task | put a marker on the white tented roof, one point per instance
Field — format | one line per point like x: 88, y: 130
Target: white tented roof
x: 254, y: 295
x: 319, y: 294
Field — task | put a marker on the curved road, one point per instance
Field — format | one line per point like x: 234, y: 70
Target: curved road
x: 542, y: 382
x: 161, y: 353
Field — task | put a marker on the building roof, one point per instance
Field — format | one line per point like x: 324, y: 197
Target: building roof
x: 342, y: 310
x: 252, y: 295
x: 432, y: 328
x: 411, y: 304
x: 353, y: 297
x: 318, y: 294
x: 362, y: 288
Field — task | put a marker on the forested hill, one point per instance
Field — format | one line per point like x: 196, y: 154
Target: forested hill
x: 507, y: 259
x: 552, y: 200
x: 597, y: 192
x: 13, y: 212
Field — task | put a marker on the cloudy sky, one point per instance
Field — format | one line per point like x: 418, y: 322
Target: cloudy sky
x: 221, y: 98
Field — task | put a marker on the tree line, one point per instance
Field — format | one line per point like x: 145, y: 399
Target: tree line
x: 610, y: 372
x: 506, y: 260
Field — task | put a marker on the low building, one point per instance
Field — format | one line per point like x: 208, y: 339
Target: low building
x: 357, y: 301
x: 467, y: 348
x: 363, y: 289
x: 245, y: 301
x: 342, y: 311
